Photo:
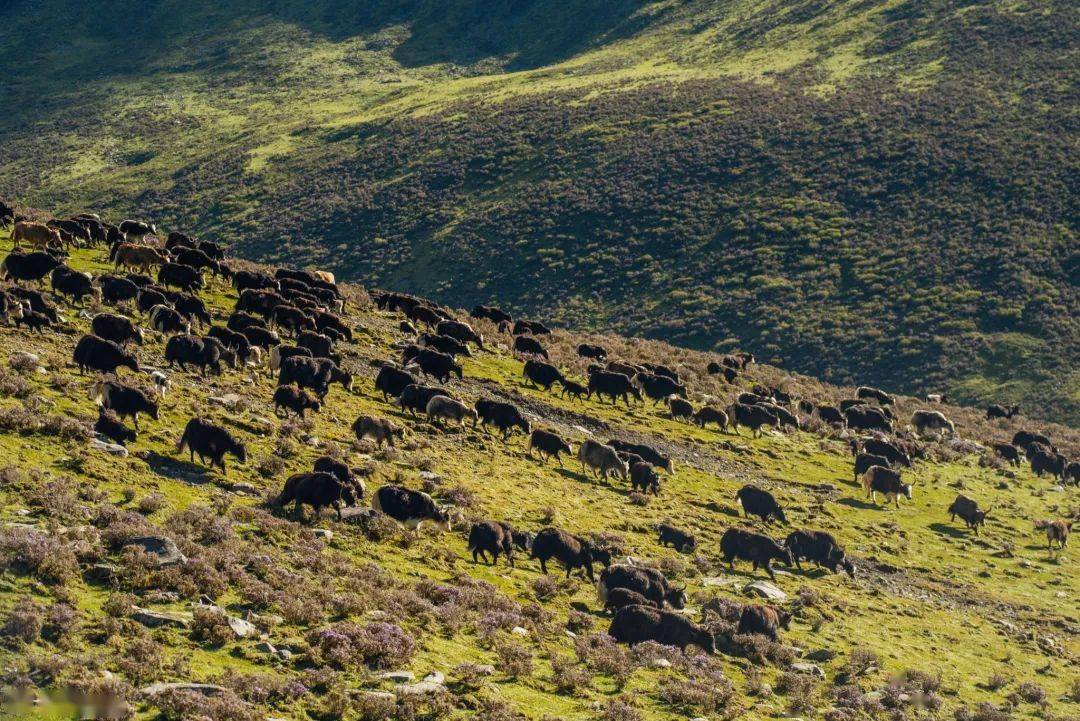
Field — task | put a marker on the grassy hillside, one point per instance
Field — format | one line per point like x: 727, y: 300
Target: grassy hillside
x: 874, y: 190
x: 937, y: 621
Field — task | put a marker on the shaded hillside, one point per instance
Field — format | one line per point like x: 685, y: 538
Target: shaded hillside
x: 874, y: 191
x: 302, y: 618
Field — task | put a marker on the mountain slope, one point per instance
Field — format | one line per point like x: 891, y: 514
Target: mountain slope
x: 867, y: 190
x: 935, y: 617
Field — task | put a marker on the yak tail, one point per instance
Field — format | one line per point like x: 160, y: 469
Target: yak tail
x: 601, y: 591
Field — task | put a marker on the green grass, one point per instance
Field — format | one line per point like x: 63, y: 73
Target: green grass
x: 939, y: 610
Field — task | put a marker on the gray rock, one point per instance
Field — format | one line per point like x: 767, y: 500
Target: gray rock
x: 719, y: 581
x: 112, y: 448
x: 764, y: 589
x: 423, y: 688
x: 244, y: 489
x: 821, y: 654
x: 158, y: 619
x: 206, y: 689
x: 242, y: 628
x: 358, y: 514
x: 323, y: 533
x: 266, y: 647
x: 660, y: 663
x: 808, y: 668
x: 519, y: 631
x: 162, y: 548
x: 102, y: 572
x: 229, y: 400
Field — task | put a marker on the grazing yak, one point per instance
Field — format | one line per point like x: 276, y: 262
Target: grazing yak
x: 572, y: 389
x: 115, y: 289
x: 102, y: 355
x: 116, y: 328
x: 672, y: 536
x: 658, y: 387
x: 707, y: 414
x: 166, y: 320
x: 763, y: 620
x: 879, y: 479
x: 542, y: 374
x: 649, y: 582
x: 866, y: 418
x: 613, y: 385
x: 437, y: 365
x: 492, y: 538
x: 37, y: 235
x: 495, y: 315
x: 819, y: 547
x: 315, y: 374
x: 968, y: 510
x: 618, y: 598
x: 756, y: 502
x: 760, y: 550
x: 460, y: 331
x: 881, y: 447
x: 643, y: 478
x: 391, y: 381
x: 866, y: 393
x: 294, y: 399
x: 530, y: 326
x: 1056, y: 532
x: 123, y: 400
x: 547, y: 445
x: 442, y: 407
x: 679, y: 408
x: 317, y: 489
x: 281, y: 353
x: 31, y: 319
x: 570, y: 551
x: 998, y: 411
x: 637, y: 624
x: 1007, y: 451
x: 753, y: 417
x: 596, y: 352
x: 411, y: 508
x: 527, y: 345
x: 204, y: 353
x: 66, y: 281
x: 204, y: 439
x: 351, y: 476
x: 504, y: 416
x: 237, y: 343
x: 1023, y: 439
x: 444, y: 344
x: 924, y: 420
x: 28, y: 266
x: 379, y: 430
x: 139, y: 257
x: 137, y: 229
x: 601, y: 460
x: 1045, y: 460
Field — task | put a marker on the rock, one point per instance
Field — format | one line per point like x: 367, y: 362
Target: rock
x: 519, y: 631
x: 206, y: 689
x: 313, y: 441
x: 244, y: 489
x: 430, y: 476
x: 1056, y: 489
x: 873, y: 696
x: 821, y: 654
x: 423, y: 688
x: 323, y: 533
x: 719, y: 581
x: 161, y: 547
x: 102, y: 572
x: 485, y: 669
x: 266, y: 647
x: 435, y: 677
x: 114, y: 448
x: 359, y: 515
x: 242, y: 628
x: 397, y: 676
x: 764, y: 589
x: 229, y: 400
x: 157, y: 619
x: 660, y: 663
x: 808, y: 668
x: 23, y: 358
x: 284, y: 654
x: 570, y: 634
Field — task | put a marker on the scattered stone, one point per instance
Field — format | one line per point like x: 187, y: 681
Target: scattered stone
x: 660, y: 663
x: 114, y: 448
x: 162, y: 547
x: 23, y: 358
x: 809, y: 668
x: 719, y: 581
x: 242, y: 628
x: 519, y: 631
x: 284, y: 654
x: 430, y: 476
x: 102, y: 572
x: 157, y: 619
x: 324, y: 533
x: 244, y: 489
x: 313, y: 441
x: 485, y: 669
x: 266, y: 647
x: 821, y: 654
x: 764, y: 589
x: 357, y: 514
x: 229, y: 400
x: 570, y: 634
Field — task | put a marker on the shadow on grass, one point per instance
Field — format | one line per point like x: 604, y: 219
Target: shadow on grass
x: 946, y: 530
x: 857, y: 503
x: 177, y: 469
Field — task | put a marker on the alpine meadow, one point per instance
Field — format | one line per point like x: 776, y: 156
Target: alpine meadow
x: 537, y: 360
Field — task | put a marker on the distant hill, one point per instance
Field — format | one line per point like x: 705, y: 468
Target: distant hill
x: 867, y: 191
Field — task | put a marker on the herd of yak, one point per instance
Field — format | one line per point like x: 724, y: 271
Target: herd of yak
x: 291, y: 321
